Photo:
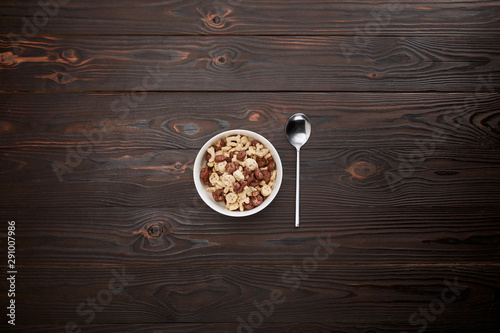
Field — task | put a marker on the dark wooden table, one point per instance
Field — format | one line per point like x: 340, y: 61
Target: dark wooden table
x: 105, y: 104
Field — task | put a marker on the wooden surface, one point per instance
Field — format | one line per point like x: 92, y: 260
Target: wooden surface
x: 104, y: 106
x: 252, y: 63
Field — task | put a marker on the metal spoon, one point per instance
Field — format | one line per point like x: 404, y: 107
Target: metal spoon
x: 298, y: 130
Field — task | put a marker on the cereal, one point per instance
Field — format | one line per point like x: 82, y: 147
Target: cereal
x: 251, y: 164
x: 266, y: 190
x: 238, y: 175
x: 239, y: 172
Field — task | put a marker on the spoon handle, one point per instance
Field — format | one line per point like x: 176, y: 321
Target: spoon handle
x: 297, y: 192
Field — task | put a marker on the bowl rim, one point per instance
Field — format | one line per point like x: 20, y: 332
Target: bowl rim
x: 202, y: 188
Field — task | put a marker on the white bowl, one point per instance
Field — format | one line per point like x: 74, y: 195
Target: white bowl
x: 207, y: 197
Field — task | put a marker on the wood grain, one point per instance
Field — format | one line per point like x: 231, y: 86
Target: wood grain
x: 211, y: 63
x: 258, y: 17
x: 198, y: 328
x: 353, y: 177
x: 292, y: 327
x: 104, y: 105
x: 192, y: 234
x: 216, y: 328
x: 374, y: 149
x: 118, y: 121
x: 343, y: 297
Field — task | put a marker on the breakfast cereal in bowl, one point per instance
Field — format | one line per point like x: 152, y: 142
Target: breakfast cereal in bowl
x: 238, y: 173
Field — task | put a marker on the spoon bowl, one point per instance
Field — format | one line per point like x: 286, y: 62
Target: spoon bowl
x: 298, y: 131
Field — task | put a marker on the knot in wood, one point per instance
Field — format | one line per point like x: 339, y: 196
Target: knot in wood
x: 155, y: 230
x: 214, y: 16
x: 70, y: 55
x: 374, y: 75
x: 363, y: 170
x: 62, y: 78
x: 7, y: 58
x: 224, y: 58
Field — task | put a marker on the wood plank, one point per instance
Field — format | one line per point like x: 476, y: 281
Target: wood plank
x: 195, y: 328
x: 347, y: 297
x: 191, y: 234
x: 211, y: 63
x: 257, y: 17
x: 353, y: 177
x: 109, y: 121
x: 292, y: 327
